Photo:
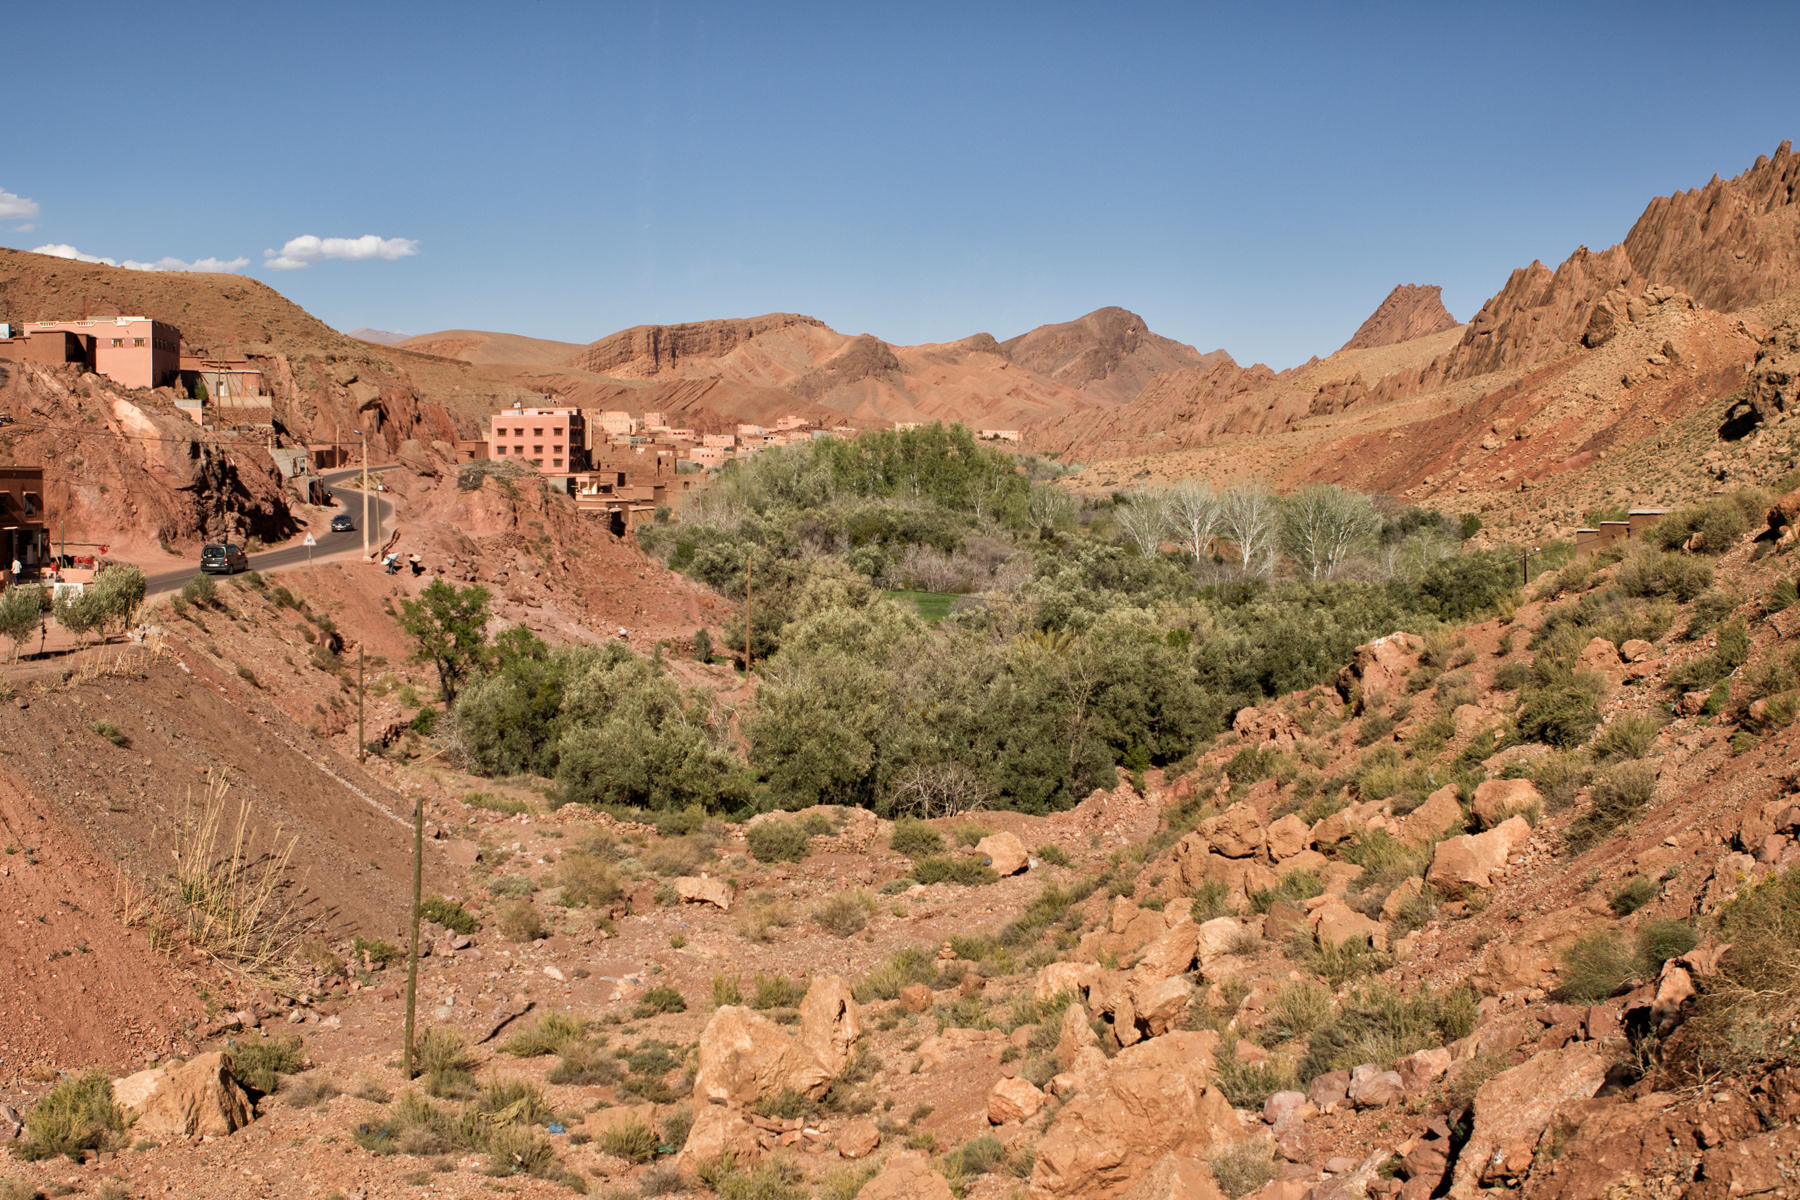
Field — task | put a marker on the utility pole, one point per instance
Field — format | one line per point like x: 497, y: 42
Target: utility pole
x: 365, y: 494
x: 412, y: 954
x: 747, y: 563
x: 361, y: 746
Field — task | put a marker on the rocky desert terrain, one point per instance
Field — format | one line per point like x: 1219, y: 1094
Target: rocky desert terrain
x: 981, y: 838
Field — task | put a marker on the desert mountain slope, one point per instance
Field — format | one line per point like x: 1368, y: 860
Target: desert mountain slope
x: 1410, y: 311
x: 381, y: 337
x: 484, y: 348
x: 1110, y: 353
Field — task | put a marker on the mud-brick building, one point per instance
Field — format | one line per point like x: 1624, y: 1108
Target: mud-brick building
x: 139, y: 352
x: 24, y: 528
x: 550, y: 440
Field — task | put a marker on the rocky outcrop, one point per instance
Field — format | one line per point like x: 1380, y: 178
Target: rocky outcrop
x: 908, y: 1175
x: 1109, y: 353
x: 1410, y: 311
x: 1773, y: 387
x: 1514, y: 1107
x: 646, y: 350
x: 1155, y: 1099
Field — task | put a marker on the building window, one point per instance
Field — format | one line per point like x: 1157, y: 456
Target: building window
x: 538, y: 432
x: 118, y: 343
x: 537, y: 449
x: 556, y: 462
x: 499, y: 449
x: 137, y: 343
x: 518, y: 433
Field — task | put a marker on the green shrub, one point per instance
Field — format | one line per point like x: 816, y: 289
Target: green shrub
x: 1711, y: 607
x: 1628, y: 736
x: 1719, y: 523
x: 660, y: 999
x: 907, y: 966
x: 1248, y: 1085
x: 1376, y: 727
x: 75, y: 1116
x: 520, y: 922
x: 1731, y: 652
x: 1294, y: 887
x: 258, y: 1063
x: 774, y: 991
x: 1659, y: 941
x: 1298, y: 1009
x: 377, y: 951
x: 844, y: 913
x: 953, y: 868
x: 586, y: 1065
x: 1746, y: 1012
x: 778, y: 841
x: 1244, y: 1168
x: 587, y: 880
x: 549, y: 1034
x: 1211, y: 899
x: 1633, y: 894
x: 1053, y: 854
x: 1647, y: 574
x: 1619, y: 793
x: 449, y: 914
x: 443, y: 1058
x: 915, y: 839
x: 1594, y: 968
x: 1562, y: 715
x: 982, y: 1155
x: 1379, y: 1024
x: 632, y: 1141
x: 201, y: 591
x: 512, y: 887
x: 112, y: 733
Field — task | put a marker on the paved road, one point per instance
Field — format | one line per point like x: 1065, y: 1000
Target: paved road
x: 296, y: 555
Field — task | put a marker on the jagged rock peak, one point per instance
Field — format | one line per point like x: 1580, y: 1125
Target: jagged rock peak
x: 1410, y: 311
x: 1110, y: 352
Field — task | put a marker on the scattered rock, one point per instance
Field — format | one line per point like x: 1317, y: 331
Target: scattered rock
x: 1371, y: 1087
x: 859, y: 1138
x: 1440, y: 812
x: 908, y: 1175
x: 915, y: 998
x: 1013, y: 1099
x: 178, y: 1101
x: 1004, y: 852
x: 1498, y: 799
x: 704, y: 889
x: 1473, y: 859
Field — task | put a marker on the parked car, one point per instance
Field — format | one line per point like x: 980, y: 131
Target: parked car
x: 343, y: 523
x: 223, y: 558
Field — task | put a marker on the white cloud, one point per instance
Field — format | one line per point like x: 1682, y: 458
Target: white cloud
x: 306, y: 250
x: 16, y: 208
x: 201, y: 265
x: 64, y: 250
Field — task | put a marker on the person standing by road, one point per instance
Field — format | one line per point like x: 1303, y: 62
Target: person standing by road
x: 18, y: 570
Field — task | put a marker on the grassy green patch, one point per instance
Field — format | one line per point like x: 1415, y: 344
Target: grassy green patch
x: 933, y: 606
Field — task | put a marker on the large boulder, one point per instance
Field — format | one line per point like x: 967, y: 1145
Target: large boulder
x: 1176, y: 1178
x: 704, y: 889
x: 1059, y: 977
x: 1514, y: 1107
x: 1004, y: 852
x: 1172, y: 953
x: 1440, y: 813
x: 1473, y: 859
x: 1012, y: 1100
x: 1159, y: 1003
x: 1380, y: 668
x: 717, y: 1131
x: 829, y: 1024
x: 1498, y: 799
x: 1288, y: 836
x: 744, y: 1056
x: 1235, y: 833
x: 178, y: 1101
x: 908, y: 1175
x: 1335, y: 923
x: 1155, y: 1099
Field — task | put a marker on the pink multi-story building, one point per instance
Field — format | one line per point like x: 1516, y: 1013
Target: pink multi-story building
x: 139, y: 352
x: 551, y: 440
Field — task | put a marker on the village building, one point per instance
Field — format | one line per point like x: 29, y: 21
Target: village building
x: 138, y: 352
x: 550, y: 440
x: 24, y: 527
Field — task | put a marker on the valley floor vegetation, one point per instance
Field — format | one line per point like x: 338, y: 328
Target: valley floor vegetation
x: 1086, y: 637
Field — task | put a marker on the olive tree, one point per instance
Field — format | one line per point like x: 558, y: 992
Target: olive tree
x: 449, y: 627
x: 21, y: 609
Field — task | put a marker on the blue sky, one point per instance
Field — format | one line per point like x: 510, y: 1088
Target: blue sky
x: 1252, y: 176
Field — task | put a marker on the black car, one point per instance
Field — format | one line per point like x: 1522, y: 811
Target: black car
x: 343, y: 523
x: 223, y: 558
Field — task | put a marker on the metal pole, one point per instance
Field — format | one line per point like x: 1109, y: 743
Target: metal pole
x: 412, y: 956
x: 365, y: 490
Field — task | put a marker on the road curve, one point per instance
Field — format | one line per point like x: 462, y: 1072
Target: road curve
x: 297, y: 555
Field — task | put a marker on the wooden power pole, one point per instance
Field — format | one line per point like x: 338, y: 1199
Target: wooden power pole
x: 361, y: 745
x: 747, y: 564
x: 412, y: 952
